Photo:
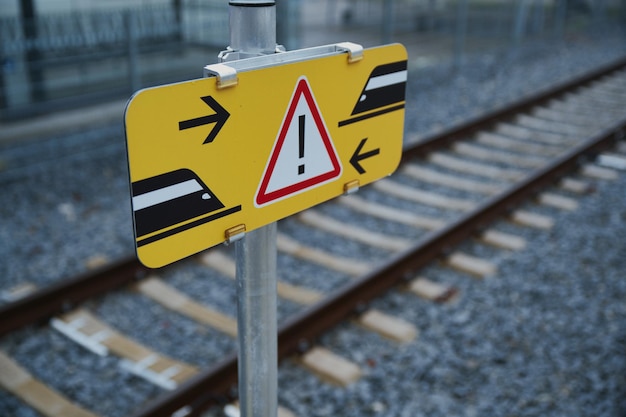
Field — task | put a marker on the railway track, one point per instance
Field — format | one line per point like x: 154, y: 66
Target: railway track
x: 449, y: 188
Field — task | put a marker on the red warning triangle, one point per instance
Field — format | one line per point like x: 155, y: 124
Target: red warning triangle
x: 303, y: 155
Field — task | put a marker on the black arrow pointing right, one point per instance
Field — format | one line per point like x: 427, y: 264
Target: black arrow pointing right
x: 356, y: 157
x: 219, y: 118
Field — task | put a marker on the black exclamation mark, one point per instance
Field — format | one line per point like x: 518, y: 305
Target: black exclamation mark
x: 301, y: 120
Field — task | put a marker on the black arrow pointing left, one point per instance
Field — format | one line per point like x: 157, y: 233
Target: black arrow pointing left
x: 219, y: 118
x: 358, y: 157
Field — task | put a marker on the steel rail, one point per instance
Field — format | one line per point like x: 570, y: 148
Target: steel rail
x: 303, y: 329
x: 216, y: 384
x: 62, y: 295
x: 48, y: 301
x: 487, y: 120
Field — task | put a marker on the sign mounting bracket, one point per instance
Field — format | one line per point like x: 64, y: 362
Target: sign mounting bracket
x: 355, y: 51
x: 228, y: 70
x: 226, y: 75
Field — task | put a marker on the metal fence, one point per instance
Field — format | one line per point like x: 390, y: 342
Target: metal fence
x: 67, y: 60
x: 513, y: 19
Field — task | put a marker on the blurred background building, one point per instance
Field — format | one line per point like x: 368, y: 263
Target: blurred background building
x: 64, y: 54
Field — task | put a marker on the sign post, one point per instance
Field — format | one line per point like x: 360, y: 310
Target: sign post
x: 253, y: 32
x: 266, y: 134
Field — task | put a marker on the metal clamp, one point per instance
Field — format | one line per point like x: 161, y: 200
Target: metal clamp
x: 231, y: 55
x: 351, y: 187
x: 226, y: 75
x: 234, y: 234
x: 355, y: 51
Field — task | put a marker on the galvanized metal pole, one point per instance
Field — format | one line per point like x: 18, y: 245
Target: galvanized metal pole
x: 252, y: 27
x: 256, y: 321
x: 252, y: 33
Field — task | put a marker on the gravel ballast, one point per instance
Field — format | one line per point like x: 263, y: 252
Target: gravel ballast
x: 545, y: 336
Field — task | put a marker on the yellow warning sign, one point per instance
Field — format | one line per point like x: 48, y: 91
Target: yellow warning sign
x: 207, y: 159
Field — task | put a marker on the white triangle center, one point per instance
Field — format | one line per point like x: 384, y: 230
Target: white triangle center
x: 303, y: 155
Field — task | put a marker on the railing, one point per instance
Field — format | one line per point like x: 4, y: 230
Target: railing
x: 68, y: 60
x: 64, y: 60
x: 512, y: 18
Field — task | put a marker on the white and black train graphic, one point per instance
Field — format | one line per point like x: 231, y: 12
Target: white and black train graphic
x: 384, y: 92
x: 172, y: 199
